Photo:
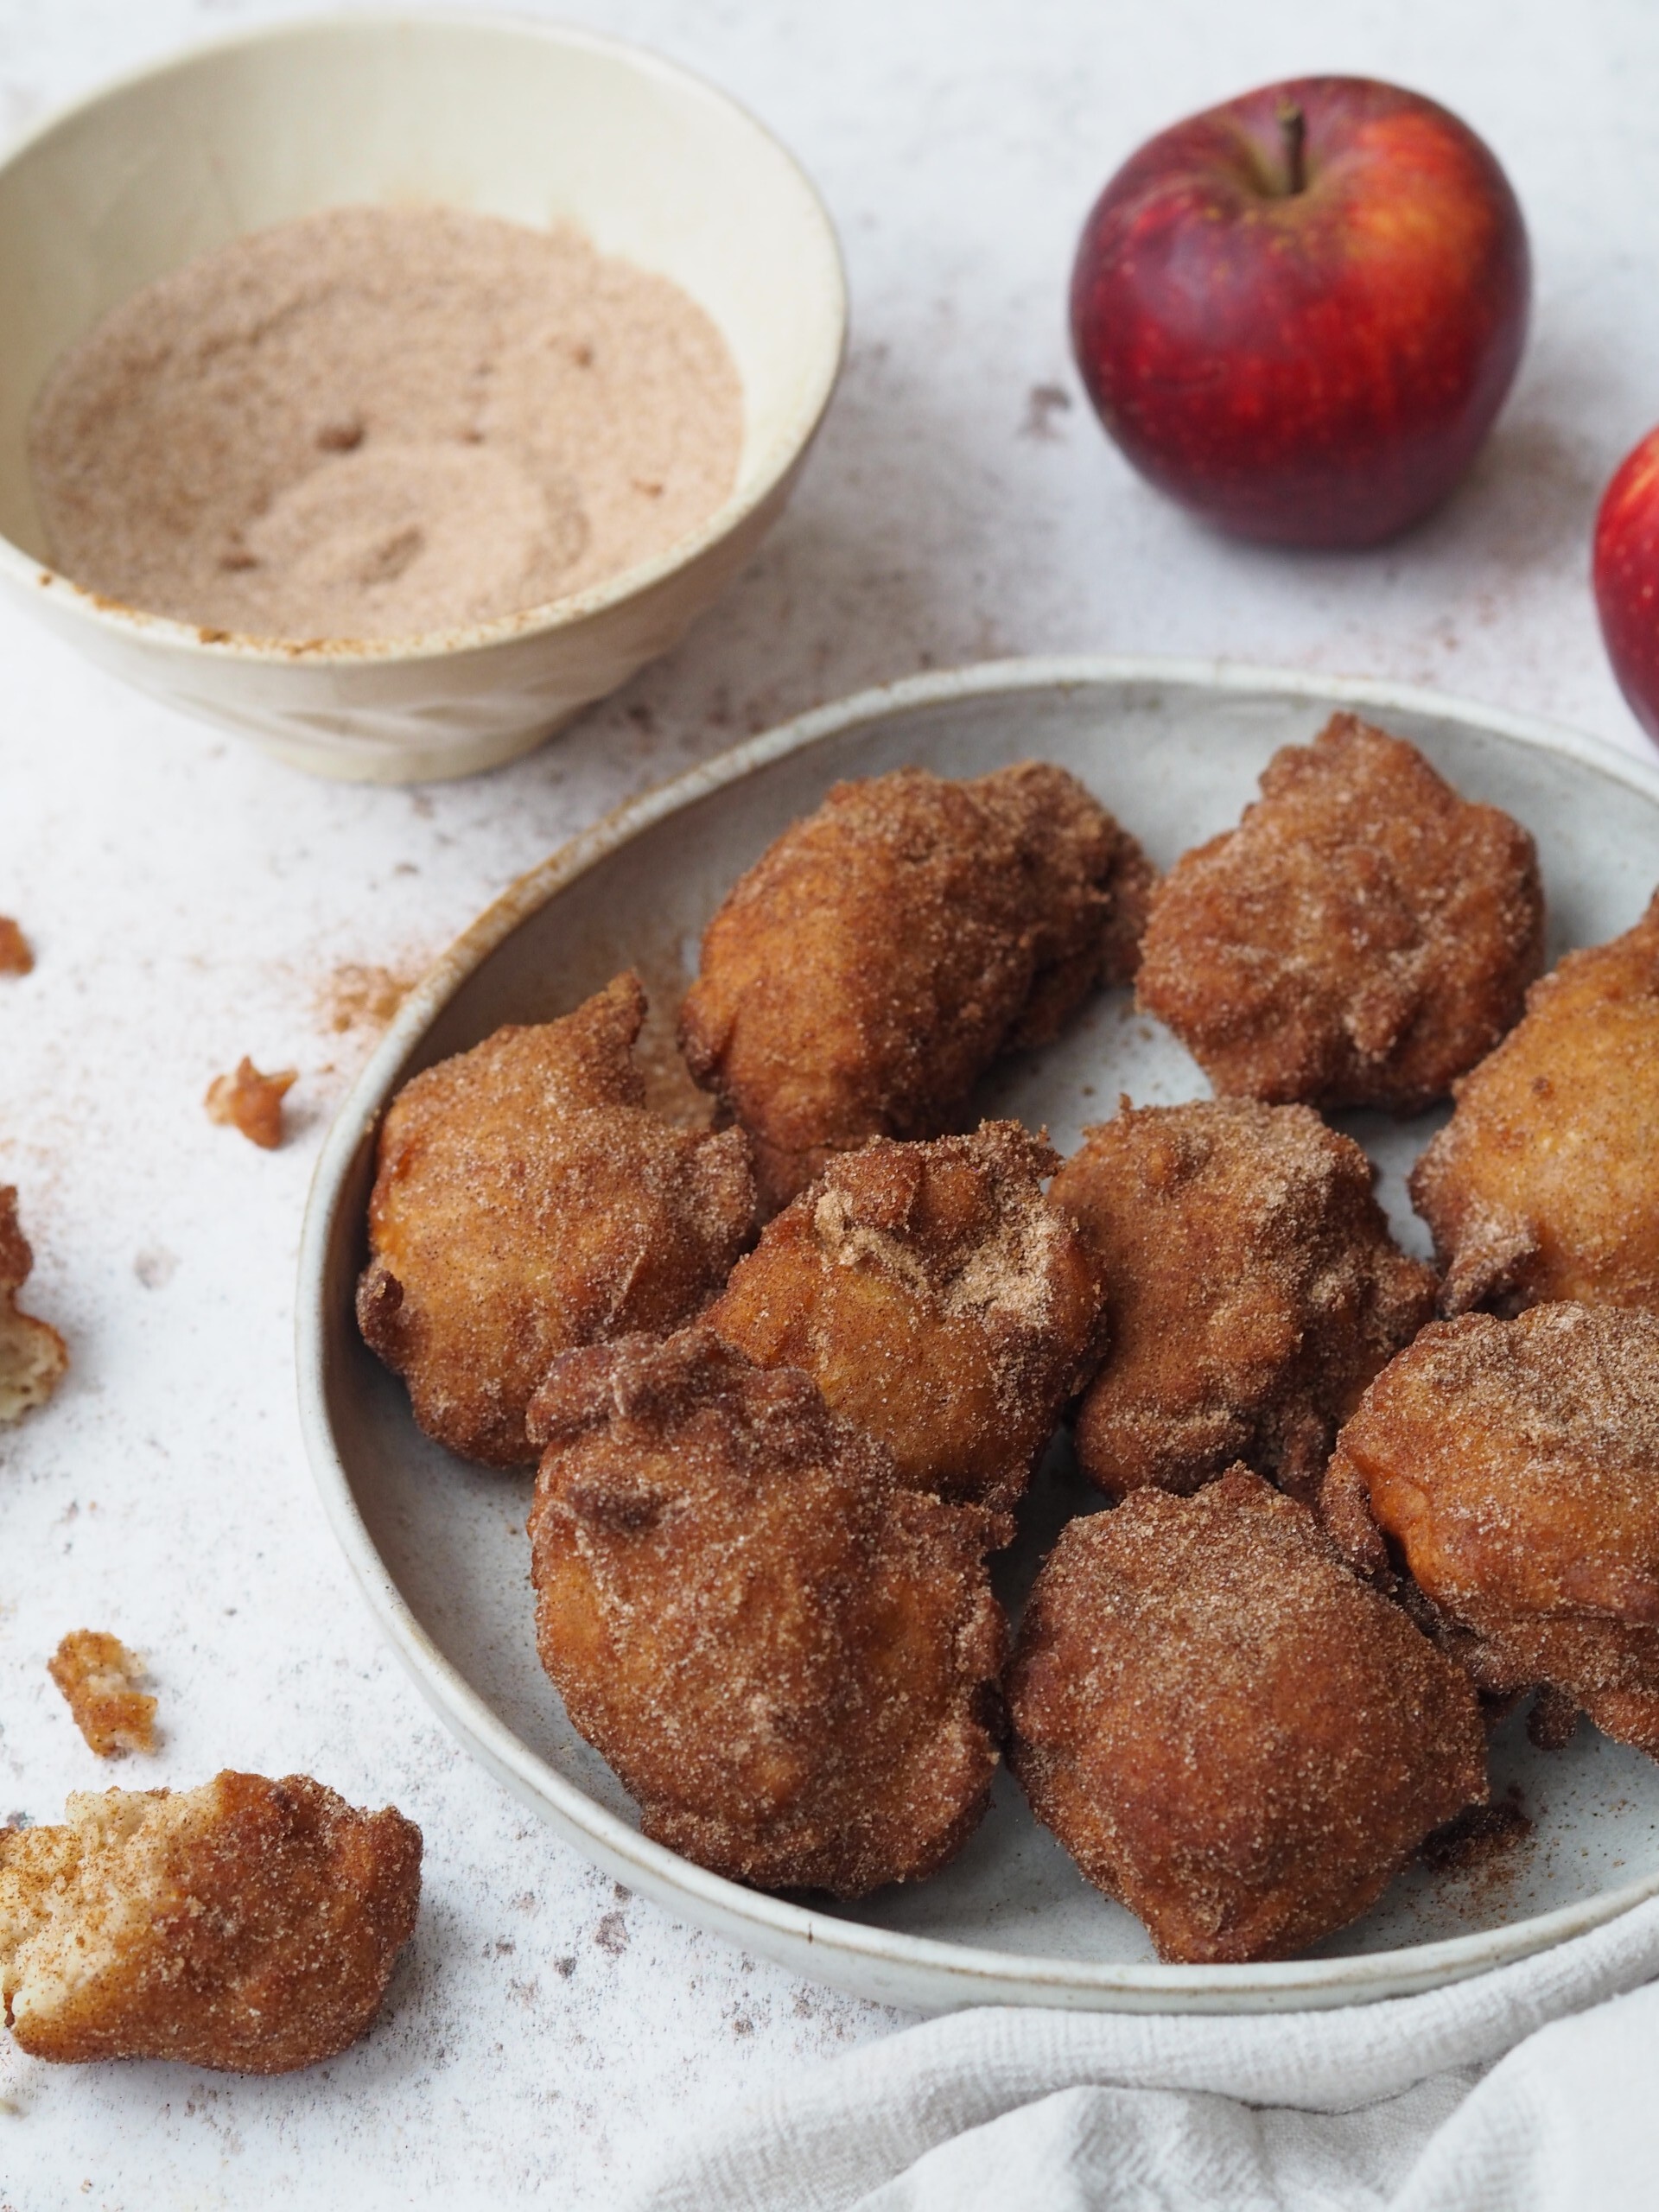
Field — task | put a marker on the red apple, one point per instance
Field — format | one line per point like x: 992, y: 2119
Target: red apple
x: 1299, y: 313
x: 1626, y: 570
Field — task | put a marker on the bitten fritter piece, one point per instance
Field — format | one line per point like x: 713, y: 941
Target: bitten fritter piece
x: 33, y: 1357
x: 1228, y: 1731
x: 1513, y: 1466
x: 1545, y: 1183
x: 527, y: 1202
x: 1363, y: 936
x: 99, y: 1677
x: 865, y: 973
x: 936, y: 1298
x: 250, y: 1926
x: 1254, y: 1288
x: 790, y: 1660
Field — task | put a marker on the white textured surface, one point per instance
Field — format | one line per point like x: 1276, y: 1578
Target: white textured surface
x: 189, y: 902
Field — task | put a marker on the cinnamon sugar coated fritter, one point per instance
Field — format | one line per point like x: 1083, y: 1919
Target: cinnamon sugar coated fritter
x: 99, y: 1678
x: 1545, y: 1183
x: 525, y: 1203
x: 249, y: 1926
x: 33, y: 1357
x: 1254, y: 1291
x: 250, y: 1103
x: 882, y: 952
x: 790, y: 1660
x: 936, y: 1298
x: 1231, y: 1734
x: 1513, y: 1466
x: 1362, y: 938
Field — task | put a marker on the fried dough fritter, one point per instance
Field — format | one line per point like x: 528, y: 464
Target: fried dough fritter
x: 33, y: 1358
x: 1513, y: 1466
x: 98, y: 1678
x: 936, y: 1299
x: 1254, y: 1288
x: 250, y: 1926
x: 1545, y: 1183
x: 527, y: 1202
x: 1229, y: 1732
x: 1362, y: 938
x: 866, y: 972
x: 16, y: 955
x: 790, y: 1660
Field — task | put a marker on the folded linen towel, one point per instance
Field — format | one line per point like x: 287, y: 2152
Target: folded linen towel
x: 1375, y: 2106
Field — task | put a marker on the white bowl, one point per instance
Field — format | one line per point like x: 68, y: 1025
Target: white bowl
x: 512, y: 119
x: 438, y: 1548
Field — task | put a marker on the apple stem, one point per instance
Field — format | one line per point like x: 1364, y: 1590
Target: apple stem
x: 1293, y: 130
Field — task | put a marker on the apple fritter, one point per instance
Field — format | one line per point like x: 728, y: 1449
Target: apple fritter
x: 1545, y: 1183
x: 250, y: 1926
x: 527, y: 1202
x: 790, y: 1660
x: 1512, y: 1467
x: 865, y: 973
x: 936, y: 1298
x: 1254, y: 1290
x: 1362, y: 938
x: 1230, y: 1733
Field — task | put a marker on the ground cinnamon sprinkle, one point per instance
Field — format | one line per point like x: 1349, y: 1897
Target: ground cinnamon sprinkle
x: 374, y: 422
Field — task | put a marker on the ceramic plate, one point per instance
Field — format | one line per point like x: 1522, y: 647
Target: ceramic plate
x: 438, y: 1546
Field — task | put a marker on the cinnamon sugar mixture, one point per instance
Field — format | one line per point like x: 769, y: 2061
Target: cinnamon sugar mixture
x: 374, y: 422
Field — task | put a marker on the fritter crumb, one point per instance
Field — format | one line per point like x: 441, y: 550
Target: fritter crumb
x: 33, y: 1357
x: 99, y: 1677
x: 1510, y: 1469
x: 527, y: 1202
x: 1230, y: 1733
x: 1477, y: 1836
x: 936, y: 1298
x: 1544, y: 1185
x: 16, y: 956
x: 1362, y: 938
x: 882, y: 952
x: 791, y: 1660
x: 251, y: 1102
x: 249, y: 1926
x: 1254, y: 1288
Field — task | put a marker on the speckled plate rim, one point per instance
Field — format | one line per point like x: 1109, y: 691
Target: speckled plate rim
x: 919, y: 1972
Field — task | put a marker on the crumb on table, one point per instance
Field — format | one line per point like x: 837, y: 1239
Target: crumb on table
x: 251, y: 1102
x: 16, y: 957
x: 98, y: 1674
x: 33, y: 1355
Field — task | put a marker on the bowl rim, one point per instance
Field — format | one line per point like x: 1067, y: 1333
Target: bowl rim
x: 782, y: 455
x: 808, y: 1941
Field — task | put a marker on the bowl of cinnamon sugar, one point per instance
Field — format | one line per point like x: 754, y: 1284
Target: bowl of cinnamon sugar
x: 389, y: 388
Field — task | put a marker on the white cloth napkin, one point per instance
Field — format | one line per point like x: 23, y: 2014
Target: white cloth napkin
x: 1410, y: 2105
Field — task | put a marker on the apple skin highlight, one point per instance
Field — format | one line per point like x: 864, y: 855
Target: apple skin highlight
x: 1314, y: 367
x: 1626, y: 573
